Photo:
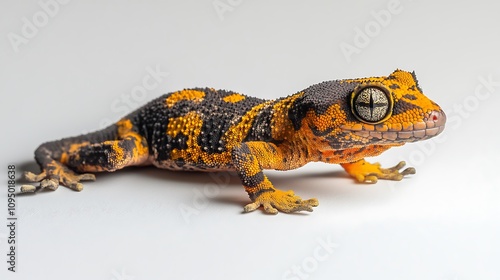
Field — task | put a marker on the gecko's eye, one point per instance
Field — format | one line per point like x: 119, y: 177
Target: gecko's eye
x: 371, y: 104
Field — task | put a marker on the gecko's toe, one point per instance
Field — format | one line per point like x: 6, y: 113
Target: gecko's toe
x: 76, y: 187
x: 86, y: 177
x: 50, y: 184
x: 28, y: 189
x: 32, y: 177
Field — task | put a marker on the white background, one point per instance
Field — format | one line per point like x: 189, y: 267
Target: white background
x: 84, y: 67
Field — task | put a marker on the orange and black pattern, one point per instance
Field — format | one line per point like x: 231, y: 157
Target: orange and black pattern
x: 204, y: 129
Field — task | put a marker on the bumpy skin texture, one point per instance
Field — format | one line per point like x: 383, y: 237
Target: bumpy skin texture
x: 203, y: 129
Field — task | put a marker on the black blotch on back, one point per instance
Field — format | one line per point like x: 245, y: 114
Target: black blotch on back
x: 179, y: 141
x: 213, y: 128
x: 261, y: 126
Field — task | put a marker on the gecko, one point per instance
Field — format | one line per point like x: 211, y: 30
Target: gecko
x: 204, y: 129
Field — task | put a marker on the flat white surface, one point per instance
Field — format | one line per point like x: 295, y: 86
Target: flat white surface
x: 81, y: 68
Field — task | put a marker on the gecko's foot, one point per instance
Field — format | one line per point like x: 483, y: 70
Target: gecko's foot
x: 55, y: 174
x: 279, y: 200
x: 366, y: 172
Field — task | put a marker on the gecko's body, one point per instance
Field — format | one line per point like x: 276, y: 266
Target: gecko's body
x: 204, y: 129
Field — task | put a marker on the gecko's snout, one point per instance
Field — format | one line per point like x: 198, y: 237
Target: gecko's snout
x: 435, y: 122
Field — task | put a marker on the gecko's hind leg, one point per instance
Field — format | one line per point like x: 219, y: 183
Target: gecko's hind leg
x: 106, y: 156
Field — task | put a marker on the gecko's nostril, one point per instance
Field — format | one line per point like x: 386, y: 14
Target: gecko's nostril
x: 438, y: 117
x: 436, y: 122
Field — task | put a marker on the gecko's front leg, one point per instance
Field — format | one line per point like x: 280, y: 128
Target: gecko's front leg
x: 249, y: 159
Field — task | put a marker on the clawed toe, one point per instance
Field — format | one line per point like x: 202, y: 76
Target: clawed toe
x: 86, y: 177
x: 268, y: 208
x: 28, y: 188
x: 50, y: 184
x: 408, y: 171
x: 32, y: 177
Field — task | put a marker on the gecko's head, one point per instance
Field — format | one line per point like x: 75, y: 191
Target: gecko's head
x: 378, y: 110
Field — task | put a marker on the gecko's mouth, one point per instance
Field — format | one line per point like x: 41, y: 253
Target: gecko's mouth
x: 432, y: 125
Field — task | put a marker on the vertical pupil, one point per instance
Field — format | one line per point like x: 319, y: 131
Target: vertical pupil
x: 371, y: 105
